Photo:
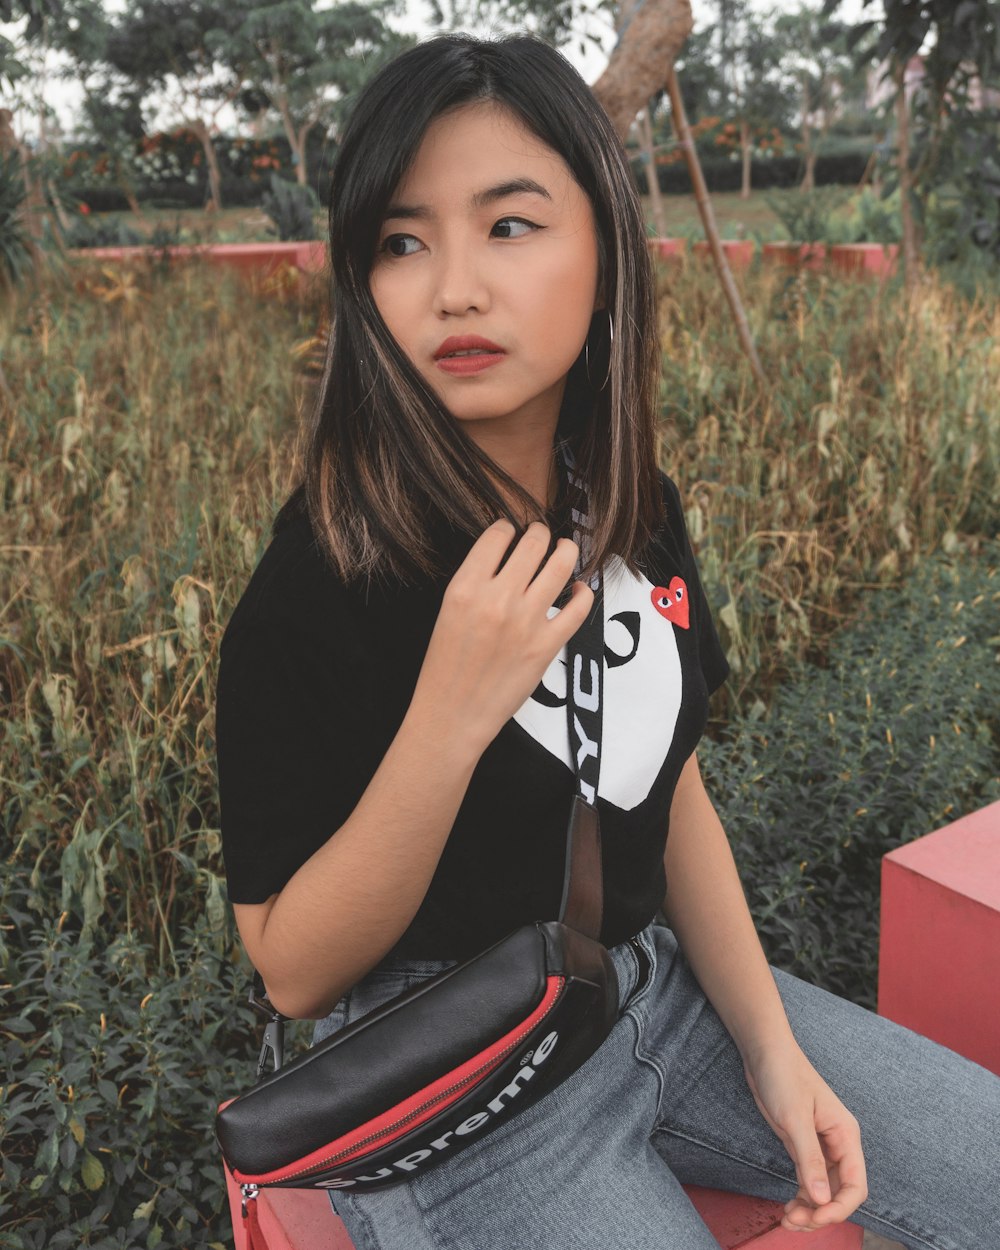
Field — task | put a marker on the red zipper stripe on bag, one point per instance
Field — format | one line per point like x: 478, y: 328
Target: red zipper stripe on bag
x: 419, y: 1107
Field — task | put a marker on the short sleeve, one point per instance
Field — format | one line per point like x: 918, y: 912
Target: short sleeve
x: 714, y: 665
x: 278, y: 789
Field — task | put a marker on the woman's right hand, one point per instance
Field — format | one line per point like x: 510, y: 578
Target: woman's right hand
x: 494, y: 639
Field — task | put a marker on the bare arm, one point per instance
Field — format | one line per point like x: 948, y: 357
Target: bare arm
x: 349, y: 903
x: 707, y: 910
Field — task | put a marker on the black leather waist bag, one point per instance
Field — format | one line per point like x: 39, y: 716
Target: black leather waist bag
x: 409, y: 1084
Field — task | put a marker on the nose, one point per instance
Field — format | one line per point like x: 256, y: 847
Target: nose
x: 460, y: 285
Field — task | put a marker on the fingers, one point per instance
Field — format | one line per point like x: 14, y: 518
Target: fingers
x: 529, y: 568
x: 572, y: 614
x: 488, y: 550
x: 528, y: 555
x: 810, y: 1163
x: 831, y: 1168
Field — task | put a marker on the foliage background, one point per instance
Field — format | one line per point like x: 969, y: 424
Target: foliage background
x: 154, y: 431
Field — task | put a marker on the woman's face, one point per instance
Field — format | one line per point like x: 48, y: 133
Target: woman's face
x: 488, y: 234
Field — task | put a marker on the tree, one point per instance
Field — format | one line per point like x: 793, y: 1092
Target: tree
x: 816, y: 51
x: 173, y: 46
x: 732, y: 68
x: 650, y: 37
x: 34, y: 14
x: 701, y: 77
x: 556, y: 21
x: 25, y: 67
x: 306, y: 63
x: 951, y: 160
x: 759, y: 98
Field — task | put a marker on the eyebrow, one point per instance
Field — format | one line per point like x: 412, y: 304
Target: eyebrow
x: 481, y: 199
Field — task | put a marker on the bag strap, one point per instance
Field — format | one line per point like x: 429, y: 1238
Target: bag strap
x: 582, y: 906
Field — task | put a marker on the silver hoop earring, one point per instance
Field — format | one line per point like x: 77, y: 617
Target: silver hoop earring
x: 586, y: 353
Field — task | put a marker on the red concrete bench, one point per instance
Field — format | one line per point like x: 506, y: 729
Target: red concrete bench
x: 939, y: 953
x: 253, y: 258
x: 301, y: 1219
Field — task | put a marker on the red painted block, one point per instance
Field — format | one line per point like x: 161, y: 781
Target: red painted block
x: 668, y: 249
x: 301, y: 1219
x: 755, y: 1224
x: 939, y: 953
x: 739, y: 252
x: 795, y: 255
x: 311, y: 257
x: 865, y: 259
x: 258, y: 258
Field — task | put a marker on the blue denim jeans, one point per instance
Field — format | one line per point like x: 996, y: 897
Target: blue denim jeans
x: 599, y: 1163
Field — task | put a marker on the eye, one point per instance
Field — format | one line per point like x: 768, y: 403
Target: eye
x: 680, y: 593
x: 517, y: 221
x: 389, y: 241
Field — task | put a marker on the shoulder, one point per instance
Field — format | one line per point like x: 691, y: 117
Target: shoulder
x: 671, y: 539
x: 292, y: 586
x: 671, y: 497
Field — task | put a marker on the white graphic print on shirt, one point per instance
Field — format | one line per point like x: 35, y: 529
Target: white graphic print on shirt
x: 642, y: 686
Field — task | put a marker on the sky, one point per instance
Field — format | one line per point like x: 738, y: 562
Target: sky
x: 64, y: 97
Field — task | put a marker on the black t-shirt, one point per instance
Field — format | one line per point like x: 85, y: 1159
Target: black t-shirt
x: 316, y: 676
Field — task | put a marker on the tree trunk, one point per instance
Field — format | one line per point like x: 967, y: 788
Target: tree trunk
x: 296, y: 139
x: 57, y: 206
x: 131, y: 198
x: 809, y: 177
x: 911, y: 247
x: 649, y: 40
x: 809, y: 180
x: 684, y: 138
x: 211, y: 164
x: 746, y: 156
x: 648, y: 147
x: 124, y: 181
x: 301, y: 169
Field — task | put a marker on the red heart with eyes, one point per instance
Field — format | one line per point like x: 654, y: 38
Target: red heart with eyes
x: 672, y: 602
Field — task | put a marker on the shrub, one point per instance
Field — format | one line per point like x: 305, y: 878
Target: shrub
x: 291, y: 207
x: 874, y: 220
x: 109, y: 233
x: 168, y: 170
x: 15, y: 249
x: 725, y: 174
x: 897, y: 736
x: 807, y: 216
x: 113, y: 1069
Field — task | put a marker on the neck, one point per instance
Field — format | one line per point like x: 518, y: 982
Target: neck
x: 534, y: 468
x: 524, y: 449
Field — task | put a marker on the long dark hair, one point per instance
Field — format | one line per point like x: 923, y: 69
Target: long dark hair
x: 386, y: 462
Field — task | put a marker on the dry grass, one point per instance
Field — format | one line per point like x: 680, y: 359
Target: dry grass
x: 154, y: 433
x: 876, y: 443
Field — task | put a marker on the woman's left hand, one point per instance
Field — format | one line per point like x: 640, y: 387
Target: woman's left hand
x: 820, y: 1134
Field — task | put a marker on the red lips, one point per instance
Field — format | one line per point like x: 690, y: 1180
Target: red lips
x: 465, y: 343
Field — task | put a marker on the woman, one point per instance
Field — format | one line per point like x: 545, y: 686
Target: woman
x: 393, y: 759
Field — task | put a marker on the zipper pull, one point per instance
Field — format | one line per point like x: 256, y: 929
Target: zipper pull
x: 252, y: 1232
